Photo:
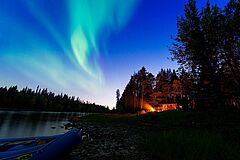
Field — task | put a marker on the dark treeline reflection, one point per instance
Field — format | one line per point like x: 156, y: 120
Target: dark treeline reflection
x: 42, y: 99
x: 34, y: 123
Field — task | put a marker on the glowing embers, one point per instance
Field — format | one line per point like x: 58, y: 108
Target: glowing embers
x: 160, y: 108
x: 166, y: 107
x: 148, y: 108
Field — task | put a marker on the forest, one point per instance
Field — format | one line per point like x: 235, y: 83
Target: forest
x: 167, y: 87
x: 43, y: 100
x: 207, y: 49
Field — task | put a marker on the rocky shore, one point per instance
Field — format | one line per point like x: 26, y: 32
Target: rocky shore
x: 109, y: 140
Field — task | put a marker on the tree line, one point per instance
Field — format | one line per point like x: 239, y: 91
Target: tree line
x: 207, y: 49
x: 167, y: 86
x: 43, y: 100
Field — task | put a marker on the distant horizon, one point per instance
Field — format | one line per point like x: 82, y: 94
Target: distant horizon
x: 69, y: 49
x: 85, y: 100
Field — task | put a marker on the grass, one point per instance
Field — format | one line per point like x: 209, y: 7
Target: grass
x: 175, y: 135
x: 190, y: 145
x: 192, y: 136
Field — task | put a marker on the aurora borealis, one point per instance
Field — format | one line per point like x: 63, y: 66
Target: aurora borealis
x: 86, y: 28
x: 86, y: 23
x: 85, y: 48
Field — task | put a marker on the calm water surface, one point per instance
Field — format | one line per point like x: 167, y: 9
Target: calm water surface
x: 33, y: 123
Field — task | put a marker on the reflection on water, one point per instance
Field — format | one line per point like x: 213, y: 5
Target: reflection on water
x: 33, y: 123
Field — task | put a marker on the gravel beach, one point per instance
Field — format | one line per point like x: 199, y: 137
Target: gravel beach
x: 109, y: 140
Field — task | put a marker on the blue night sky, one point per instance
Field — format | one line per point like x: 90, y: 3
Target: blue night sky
x: 85, y: 48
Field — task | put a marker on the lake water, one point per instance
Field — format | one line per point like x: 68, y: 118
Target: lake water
x: 33, y: 123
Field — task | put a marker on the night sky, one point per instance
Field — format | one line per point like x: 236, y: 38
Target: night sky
x: 85, y: 48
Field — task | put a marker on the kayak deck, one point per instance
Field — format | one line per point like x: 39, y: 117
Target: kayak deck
x: 15, y: 145
x: 39, y: 148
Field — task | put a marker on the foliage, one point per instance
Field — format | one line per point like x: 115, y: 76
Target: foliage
x: 144, y: 87
x: 192, y: 135
x: 208, y: 47
x: 42, y: 99
x: 176, y: 135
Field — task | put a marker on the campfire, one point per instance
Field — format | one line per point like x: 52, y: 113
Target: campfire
x: 148, y: 107
x: 161, y: 107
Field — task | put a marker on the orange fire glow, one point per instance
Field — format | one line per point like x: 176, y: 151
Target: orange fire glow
x: 166, y: 107
x: 148, y: 107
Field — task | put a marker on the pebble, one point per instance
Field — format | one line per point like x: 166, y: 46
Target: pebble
x: 108, y: 141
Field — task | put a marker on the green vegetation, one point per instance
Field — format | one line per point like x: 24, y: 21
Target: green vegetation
x: 207, y: 49
x: 207, y: 46
x: 175, y: 135
x: 145, y: 88
x: 191, y: 145
x: 41, y: 99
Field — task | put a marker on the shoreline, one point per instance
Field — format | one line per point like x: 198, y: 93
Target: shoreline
x: 43, y: 111
x: 103, y: 139
x: 166, y: 135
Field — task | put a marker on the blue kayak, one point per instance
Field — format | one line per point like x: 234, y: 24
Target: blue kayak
x: 39, y: 148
